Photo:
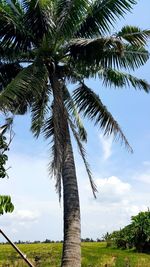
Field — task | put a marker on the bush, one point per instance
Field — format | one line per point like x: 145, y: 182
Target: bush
x: 141, y: 231
x: 135, y: 235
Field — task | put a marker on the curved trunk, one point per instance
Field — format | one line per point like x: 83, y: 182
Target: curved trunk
x: 71, y: 256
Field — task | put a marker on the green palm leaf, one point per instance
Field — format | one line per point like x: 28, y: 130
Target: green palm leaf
x: 48, y: 127
x: 12, y: 31
x: 85, y: 46
x: 92, y: 107
x: 39, y: 18
x: 8, y: 71
x: 39, y: 111
x: 70, y: 14
x: 94, y: 55
x: 119, y: 79
x: 102, y: 15
x: 28, y: 83
x: 11, y: 55
x: 55, y: 167
x: 134, y: 35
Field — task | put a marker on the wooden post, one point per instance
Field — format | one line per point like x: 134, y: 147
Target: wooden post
x: 17, y: 249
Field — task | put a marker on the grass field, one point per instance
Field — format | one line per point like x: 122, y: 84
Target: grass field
x: 93, y: 255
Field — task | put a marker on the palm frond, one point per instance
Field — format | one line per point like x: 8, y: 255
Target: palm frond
x: 134, y: 35
x: 55, y: 166
x: 59, y: 128
x: 55, y: 169
x: 134, y: 57
x: 102, y: 15
x: 39, y: 18
x: 13, y: 33
x: 92, y: 107
x: 29, y: 82
x: 87, y: 46
x: 95, y: 52
x: 11, y: 55
x: 72, y: 110
x: 15, y: 6
x: 91, y: 57
x: 39, y: 110
x: 119, y: 79
x: 8, y: 71
x: 48, y: 128
x: 70, y: 14
x: 83, y: 155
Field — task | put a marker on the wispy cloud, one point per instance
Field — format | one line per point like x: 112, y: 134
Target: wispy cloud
x: 106, y: 144
x: 143, y: 174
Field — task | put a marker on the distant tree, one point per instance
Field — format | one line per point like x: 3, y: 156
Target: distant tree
x: 47, y: 241
x: 5, y: 201
x: 141, y: 231
x: 123, y: 238
x: 107, y: 238
x: 135, y: 235
x: 98, y: 240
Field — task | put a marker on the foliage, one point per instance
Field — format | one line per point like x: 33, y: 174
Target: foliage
x: 5, y: 201
x: 3, y: 156
x: 135, y: 235
x: 5, y: 204
x: 141, y: 231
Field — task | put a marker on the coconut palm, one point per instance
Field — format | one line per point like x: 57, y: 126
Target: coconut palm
x: 47, y: 45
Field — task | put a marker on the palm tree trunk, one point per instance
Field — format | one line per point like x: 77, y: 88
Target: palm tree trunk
x: 71, y: 247
x: 71, y: 256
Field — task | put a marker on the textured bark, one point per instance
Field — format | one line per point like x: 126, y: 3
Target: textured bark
x: 71, y: 247
x: 71, y: 256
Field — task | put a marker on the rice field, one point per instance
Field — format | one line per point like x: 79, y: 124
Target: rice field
x: 94, y: 254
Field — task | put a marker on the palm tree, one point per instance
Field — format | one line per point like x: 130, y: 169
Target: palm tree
x: 46, y: 45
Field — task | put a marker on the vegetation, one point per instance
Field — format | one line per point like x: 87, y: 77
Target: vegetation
x: 135, y: 235
x: 93, y: 255
x: 5, y: 201
x: 44, y: 47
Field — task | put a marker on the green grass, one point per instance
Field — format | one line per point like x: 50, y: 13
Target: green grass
x: 93, y: 255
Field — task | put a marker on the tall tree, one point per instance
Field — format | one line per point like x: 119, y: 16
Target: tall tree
x: 63, y: 42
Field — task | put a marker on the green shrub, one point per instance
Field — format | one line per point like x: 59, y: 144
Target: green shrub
x: 135, y: 235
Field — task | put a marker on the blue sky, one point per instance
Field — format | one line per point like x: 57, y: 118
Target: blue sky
x: 123, y: 179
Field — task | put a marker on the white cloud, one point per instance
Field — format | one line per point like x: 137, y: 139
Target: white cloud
x: 20, y: 217
x: 106, y: 144
x: 112, y: 189
x: 25, y: 216
x: 116, y: 202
